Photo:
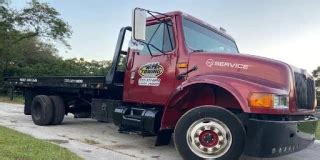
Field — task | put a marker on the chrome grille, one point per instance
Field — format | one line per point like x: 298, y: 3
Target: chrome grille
x: 305, y: 91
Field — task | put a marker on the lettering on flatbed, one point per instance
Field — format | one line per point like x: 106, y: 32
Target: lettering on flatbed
x: 28, y: 80
x: 73, y: 80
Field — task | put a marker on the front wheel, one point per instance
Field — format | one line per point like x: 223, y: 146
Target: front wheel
x: 209, y: 132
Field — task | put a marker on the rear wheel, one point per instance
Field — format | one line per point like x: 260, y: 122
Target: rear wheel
x: 209, y: 132
x: 41, y: 110
x: 58, y: 110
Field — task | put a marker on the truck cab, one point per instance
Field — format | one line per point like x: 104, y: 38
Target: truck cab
x: 184, y: 77
x: 186, y: 63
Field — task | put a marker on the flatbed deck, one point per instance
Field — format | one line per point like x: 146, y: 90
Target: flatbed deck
x: 89, y: 82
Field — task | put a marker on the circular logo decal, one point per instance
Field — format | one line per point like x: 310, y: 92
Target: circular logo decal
x: 210, y: 62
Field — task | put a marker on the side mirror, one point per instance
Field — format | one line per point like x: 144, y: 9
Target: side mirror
x: 139, y: 21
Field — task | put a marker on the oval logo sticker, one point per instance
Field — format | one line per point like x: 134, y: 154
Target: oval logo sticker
x: 149, y: 74
x: 152, y: 70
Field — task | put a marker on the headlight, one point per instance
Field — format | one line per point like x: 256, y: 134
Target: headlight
x: 267, y: 100
x: 280, y: 101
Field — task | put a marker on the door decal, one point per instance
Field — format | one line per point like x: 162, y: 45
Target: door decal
x: 150, y: 74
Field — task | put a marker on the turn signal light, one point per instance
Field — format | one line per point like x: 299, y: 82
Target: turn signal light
x: 182, y: 65
x: 261, y: 100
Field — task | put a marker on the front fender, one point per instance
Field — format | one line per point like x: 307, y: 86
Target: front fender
x: 239, y: 88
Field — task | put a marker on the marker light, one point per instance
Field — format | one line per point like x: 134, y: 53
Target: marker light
x: 182, y: 65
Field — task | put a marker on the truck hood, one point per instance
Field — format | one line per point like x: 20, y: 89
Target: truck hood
x: 251, y: 68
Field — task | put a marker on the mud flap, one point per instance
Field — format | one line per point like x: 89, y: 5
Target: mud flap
x: 164, y: 137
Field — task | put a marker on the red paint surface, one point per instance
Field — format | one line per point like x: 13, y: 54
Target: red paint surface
x: 223, y: 86
x: 211, y: 143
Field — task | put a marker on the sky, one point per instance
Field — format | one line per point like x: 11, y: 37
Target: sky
x: 286, y: 30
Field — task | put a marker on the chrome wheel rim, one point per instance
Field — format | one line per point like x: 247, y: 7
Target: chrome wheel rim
x: 209, y: 138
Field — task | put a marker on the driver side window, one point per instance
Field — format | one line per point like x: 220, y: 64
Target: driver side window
x: 160, y: 37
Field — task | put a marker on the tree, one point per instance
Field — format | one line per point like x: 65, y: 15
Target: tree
x: 26, y: 48
x: 36, y: 22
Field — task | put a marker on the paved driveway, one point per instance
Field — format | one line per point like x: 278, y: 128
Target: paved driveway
x: 93, y: 140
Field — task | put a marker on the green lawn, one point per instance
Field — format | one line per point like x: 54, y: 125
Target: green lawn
x: 18, y: 146
x: 17, y: 100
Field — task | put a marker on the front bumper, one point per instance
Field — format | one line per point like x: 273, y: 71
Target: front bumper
x: 267, y: 138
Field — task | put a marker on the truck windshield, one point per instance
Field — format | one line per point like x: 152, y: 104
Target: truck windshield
x: 199, y: 38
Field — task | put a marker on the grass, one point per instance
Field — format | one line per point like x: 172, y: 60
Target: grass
x: 18, y: 146
x: 16, y: 100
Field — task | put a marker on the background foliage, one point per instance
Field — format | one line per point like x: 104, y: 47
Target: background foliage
x: 27, y: 38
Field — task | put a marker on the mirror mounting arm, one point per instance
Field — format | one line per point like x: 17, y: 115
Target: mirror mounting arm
x: 139, y: 27
x: 153, y: 46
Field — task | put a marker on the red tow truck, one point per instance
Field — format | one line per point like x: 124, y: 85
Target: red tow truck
x: 186, y: 79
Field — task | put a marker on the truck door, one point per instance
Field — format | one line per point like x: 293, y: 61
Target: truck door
x: 150, y: 74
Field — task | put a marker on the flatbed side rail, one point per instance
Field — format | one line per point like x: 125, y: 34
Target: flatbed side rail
x: 94, y: 82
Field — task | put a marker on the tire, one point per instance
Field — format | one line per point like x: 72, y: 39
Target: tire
x: 41, y: 110
x: 209, y: 132
x: 58, y: 110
